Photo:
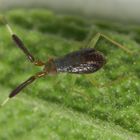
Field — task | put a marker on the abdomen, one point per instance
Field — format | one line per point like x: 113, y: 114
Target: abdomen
x: 86, y: 60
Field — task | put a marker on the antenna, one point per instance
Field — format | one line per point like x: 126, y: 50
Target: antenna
x: 19, y: 43
x: 23, y: 85
x: 5, y: 101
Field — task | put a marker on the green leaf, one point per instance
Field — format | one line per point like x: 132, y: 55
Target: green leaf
x: 103, y: 105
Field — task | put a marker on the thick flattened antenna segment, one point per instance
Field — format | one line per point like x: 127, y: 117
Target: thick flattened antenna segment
x: 96, y: 38
x: 23, y: 85
x: 26, y: 83
x: 19, y: 43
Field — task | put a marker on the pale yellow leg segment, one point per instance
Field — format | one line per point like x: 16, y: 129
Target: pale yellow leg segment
x: 108, y: 84
x: 87, y: 39
x: 94, y: 41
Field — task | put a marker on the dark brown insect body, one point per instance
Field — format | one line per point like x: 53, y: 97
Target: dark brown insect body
x: 86, y: 60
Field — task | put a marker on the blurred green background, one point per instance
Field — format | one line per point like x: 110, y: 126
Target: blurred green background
x: 100, y: 106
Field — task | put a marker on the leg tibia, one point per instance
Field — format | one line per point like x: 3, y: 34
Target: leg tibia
x: 96, y: 38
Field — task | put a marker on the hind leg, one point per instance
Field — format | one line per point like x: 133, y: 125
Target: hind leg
x: 93, y: 43
x: 98, y: 36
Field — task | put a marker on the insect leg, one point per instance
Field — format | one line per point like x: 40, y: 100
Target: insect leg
x: 23, y: 85
x: 111, y: 83
x: 94, y: 41
x: 19, y: 43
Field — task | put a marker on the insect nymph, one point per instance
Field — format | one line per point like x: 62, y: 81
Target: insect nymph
x: 84, y: 61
